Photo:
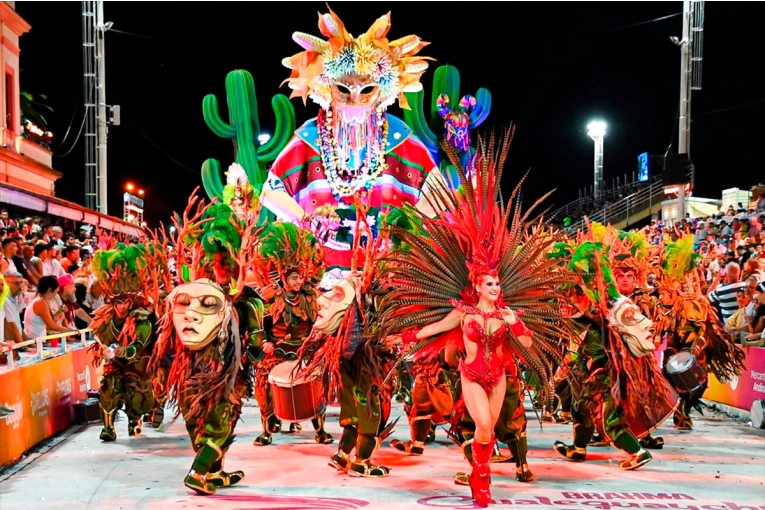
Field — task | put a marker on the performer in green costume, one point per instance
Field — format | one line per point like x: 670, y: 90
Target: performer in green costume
x: 215, y: 328
x: 125, y: 329
x: 289, y: 267
x: 623, y: 394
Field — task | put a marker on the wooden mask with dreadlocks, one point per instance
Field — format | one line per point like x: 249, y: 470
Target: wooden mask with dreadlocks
x: 591, y: 262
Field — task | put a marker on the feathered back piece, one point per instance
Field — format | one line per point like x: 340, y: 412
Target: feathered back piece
x: 474, y: 235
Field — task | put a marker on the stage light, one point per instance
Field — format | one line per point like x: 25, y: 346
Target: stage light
x: 596, y: 129
x: 130, y: 187
x: 263, y: 138
x: 140, y: 192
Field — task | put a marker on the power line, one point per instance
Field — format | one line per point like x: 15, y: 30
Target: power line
x: 642, y: 23
x: 160, y: 149
x: 79, y: 133
x: 735, y: 107
x: 136, y: 35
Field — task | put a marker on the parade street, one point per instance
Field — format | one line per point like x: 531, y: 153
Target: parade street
x: 718, y: 466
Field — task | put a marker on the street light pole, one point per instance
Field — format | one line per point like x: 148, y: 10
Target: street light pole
x: 102, y: 130
x: 684, y: 139
x: 597, y: 131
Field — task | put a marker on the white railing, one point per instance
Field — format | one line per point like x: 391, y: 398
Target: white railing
x: 39, y: 343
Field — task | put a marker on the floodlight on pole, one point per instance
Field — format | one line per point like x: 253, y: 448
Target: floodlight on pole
x: 597, y: 131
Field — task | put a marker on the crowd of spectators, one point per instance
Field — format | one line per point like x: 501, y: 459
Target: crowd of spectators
x: 731, y: 259
x: 49, y: 276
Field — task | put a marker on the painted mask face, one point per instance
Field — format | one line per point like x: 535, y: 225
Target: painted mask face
x: 489, y: 288
x: 198, y: 312
x: 626, y: 281
x: 332, y: 306
x: 636, y: 329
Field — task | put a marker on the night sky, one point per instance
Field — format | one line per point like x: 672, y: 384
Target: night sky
x: 551, y: 68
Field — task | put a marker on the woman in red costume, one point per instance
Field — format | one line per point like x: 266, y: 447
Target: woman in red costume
x: 463, y: 285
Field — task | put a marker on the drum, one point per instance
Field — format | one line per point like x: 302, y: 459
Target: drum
x: 296, y: 400
x: 687, y: 375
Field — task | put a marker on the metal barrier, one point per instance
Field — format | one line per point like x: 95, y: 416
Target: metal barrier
x: 583, y: 203
x: 633, y: 204
x: 40, y: 341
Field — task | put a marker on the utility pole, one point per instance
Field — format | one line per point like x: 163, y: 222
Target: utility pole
x: 691, y: 46
x: 97, y: 112
x: 101, y: 102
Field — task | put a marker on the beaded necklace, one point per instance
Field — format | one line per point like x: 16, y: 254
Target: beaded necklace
x: 336, y: 144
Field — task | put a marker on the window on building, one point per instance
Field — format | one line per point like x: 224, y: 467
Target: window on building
x: 10, y: 96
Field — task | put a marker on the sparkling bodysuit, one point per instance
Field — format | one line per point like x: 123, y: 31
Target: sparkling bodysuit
x: 490, y: 365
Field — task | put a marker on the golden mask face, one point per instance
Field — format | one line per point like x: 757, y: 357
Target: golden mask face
x: 355, y: 90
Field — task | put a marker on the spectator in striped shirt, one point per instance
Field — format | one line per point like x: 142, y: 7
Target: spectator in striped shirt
x: 725, y: 294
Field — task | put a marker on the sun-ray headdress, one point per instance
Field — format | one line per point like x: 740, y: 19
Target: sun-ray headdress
x: 393, y: 65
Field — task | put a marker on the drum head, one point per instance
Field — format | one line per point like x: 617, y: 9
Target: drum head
x: 281, y: 375
x: 758, y: 414
x: 680, y: 362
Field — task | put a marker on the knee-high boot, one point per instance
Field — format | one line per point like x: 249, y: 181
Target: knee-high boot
x: 221, y: 478
x: 480, y: 477
x: 519, y: 449
x: 207, y: 455
x: 420, y: 427
x: 627, y: 443
x: 321, y: 436
x: 366, y: 446
x: 108, y: 433
x: 342, y: 460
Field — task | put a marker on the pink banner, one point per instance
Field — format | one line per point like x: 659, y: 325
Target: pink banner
x: 744, y: 389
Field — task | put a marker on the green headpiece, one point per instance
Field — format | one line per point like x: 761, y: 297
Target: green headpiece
x: 284, y: 247
x: 680, y: 259
x: 119, y: 269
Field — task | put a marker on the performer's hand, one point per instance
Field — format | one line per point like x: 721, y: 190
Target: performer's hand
x: 509, y: 316
x: 268, y: 348
x: 392, y: 341
x: 112, y: 351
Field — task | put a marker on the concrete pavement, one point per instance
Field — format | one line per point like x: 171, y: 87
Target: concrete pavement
x: 718, y: 466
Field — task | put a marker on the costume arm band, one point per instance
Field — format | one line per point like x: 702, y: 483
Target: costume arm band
x: 520, y: 329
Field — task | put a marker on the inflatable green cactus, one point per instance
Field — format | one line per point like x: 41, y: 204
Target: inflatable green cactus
x: 429, y: 129
x: 243, y: 129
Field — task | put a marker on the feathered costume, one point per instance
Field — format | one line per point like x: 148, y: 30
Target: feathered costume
x: 213, y: 325
x: 131, y: 278
x: 286, y: 251
x: 690, y: 322
x: 344, y: 345
x: 474, y: 235
x: 624, y: 397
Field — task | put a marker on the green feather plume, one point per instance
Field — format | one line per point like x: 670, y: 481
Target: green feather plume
x: 680, y: 259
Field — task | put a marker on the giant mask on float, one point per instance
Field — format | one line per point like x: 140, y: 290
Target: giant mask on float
x: 199, y: 309
x: 333, y: 305
x: 635, y: 328
x: 354, y: 80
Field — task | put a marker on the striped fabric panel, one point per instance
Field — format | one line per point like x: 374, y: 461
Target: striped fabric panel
x: 300, y: 168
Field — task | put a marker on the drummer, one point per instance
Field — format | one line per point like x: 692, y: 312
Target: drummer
x: 288, y: 269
